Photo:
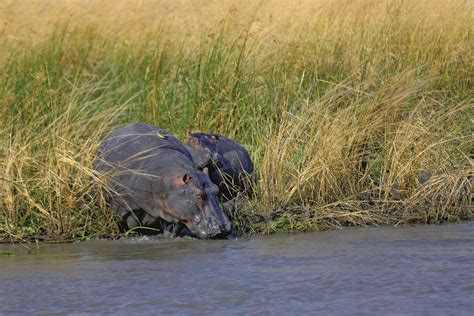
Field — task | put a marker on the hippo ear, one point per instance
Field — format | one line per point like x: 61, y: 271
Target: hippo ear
x: 186, y: 178
x: 188, y: 136
x: 206, y: 170
x: 193, y: 141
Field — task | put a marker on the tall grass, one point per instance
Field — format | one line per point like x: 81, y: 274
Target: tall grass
x: 355, y: 112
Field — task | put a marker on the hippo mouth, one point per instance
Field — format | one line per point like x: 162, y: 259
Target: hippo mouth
x: 210, y: 229
x: 176, y: 230
x: 196, y: 228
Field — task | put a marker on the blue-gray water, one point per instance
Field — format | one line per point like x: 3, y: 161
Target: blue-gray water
x: 405, y: 270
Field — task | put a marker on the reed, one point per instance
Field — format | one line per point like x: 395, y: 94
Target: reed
x: 355, y: 112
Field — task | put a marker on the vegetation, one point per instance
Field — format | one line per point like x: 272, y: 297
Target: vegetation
x: 355, y: 112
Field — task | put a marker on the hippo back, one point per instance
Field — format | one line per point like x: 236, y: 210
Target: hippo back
x: 131, y: 142
x: 236, y: 154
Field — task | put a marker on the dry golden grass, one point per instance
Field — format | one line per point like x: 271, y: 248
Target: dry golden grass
x: 25, y: 22
x: 351, y: 153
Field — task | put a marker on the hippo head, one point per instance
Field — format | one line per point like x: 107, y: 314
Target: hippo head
x: 192, y: 202
x: 203, y: 149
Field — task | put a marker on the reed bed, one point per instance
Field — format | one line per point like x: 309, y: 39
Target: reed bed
x: 355, y: 112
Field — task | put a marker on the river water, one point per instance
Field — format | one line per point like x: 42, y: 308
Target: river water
x: 377, y: 270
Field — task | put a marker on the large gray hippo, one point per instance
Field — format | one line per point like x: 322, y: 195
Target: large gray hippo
x: 151, y: 180
x: 232, y: 173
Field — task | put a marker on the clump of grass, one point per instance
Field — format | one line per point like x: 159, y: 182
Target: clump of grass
x: 355, y: 114
x: 355, y: 158
x: 46, y: 175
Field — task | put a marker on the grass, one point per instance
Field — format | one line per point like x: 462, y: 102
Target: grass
x: 355, y: 112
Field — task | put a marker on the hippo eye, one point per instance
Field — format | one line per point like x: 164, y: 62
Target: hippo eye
x: 194, y: 141
x: 199, y: 197
x: 186, y: 178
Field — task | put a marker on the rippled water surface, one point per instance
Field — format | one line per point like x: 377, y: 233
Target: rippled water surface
x: 417, y: 270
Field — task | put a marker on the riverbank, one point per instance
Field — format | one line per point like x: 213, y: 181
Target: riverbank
x: 355, y: 114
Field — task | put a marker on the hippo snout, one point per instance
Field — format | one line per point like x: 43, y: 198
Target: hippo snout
x: 212, y: 228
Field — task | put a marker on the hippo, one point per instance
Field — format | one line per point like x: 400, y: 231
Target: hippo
x: 232, y: 173
x: 152, y: 181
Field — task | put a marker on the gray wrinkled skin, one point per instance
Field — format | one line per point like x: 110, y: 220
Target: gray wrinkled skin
x: 153, y: 182
x: 202, y: 157
x: 232, y: 173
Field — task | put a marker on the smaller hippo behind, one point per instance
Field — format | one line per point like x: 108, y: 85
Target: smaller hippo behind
x: 233, y: 172
x: 152, y: 181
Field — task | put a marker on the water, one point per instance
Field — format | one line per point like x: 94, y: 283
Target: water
x: 415, y: 270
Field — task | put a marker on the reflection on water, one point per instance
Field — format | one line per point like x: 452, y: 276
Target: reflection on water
x: 422, y: 269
